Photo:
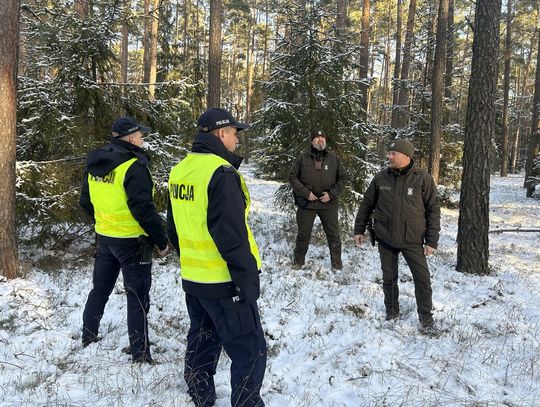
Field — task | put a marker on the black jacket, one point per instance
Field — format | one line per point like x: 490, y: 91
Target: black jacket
x: 317, y: 172
x: 226, y: 224
x: 404, y: 206
x: 138, y: 185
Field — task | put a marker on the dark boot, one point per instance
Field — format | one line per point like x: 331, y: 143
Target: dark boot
x: 298, y: 262
x: 299, y: 257
x: 335, y: 255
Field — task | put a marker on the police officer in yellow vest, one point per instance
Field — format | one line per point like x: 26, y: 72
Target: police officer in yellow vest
x: 219, y: 263
x: 117, y: 192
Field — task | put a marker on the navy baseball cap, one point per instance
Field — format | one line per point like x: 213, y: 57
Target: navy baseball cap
x: 215, y: 118
x: 125, y: 126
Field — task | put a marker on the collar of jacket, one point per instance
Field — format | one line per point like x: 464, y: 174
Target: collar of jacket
x: 208, y: 143
x: 138, y: 152
x: 101, y: 161
x: 318, y: 154
x: 402, y: 172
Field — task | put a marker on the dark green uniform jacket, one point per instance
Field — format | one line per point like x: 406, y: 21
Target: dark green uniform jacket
x: 404, y: 206
x: 317, y: 171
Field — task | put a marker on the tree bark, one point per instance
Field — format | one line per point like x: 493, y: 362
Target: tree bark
x: 534, y: 142
x: 81, y: 7
x: 152, y: 76
x: 403, y: 102
x: 364, y: 54
x: 249, y: 88
x: 396, y: 84
x: 214, y: 55
x: 341, y: 17
x: 506, y: 90
x: 462, y: 62
x: 265, y: 46
x: 9, y: 33
x: 147, y: 41
x: 385, y: 75
x: 522, y: 95
x: 124, y: 51
x: 449, y: 69
x: 473, y: 224
x: 437, y: 90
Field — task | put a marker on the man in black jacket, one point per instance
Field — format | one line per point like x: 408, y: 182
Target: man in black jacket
x: 406, y: 218
x: 220, y: 263
x: 117, y: 192
x: 317, y: 179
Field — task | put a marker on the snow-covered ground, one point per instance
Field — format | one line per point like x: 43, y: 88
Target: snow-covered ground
x: 328, y: 342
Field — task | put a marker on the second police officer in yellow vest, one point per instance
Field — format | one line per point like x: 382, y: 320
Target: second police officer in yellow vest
x: 117, y: 192
x: 219, y: 261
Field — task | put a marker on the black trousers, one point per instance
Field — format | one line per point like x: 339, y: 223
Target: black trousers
x: 416, y: 260
x: 137, y: 281
x: 235, y: 327
x: 329, y: 220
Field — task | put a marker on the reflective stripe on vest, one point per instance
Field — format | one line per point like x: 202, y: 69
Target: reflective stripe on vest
x: 111, y: 211
x: 200, y: 260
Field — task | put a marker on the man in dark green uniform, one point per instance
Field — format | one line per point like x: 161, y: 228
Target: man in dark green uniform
x: 406, y: 218
x: 317, y: 179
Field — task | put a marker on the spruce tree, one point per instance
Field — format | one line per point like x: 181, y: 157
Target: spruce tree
x: 313, y: 85
x: 68, y: 98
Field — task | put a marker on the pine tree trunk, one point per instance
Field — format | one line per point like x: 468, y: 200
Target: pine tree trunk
x: 152, y: 77
x: 147, y: 41
x: 437, y: 90
x: 403, y: 102
x: 473, y: 225
x: 449, y: 69
x: 214, y: 55
x: 124, y: 50
x: 506, y: 90
x: 460, y: 85
x: 341, y: 14
x: 522, y: 95
x: 396, y: 84
x: 534, y: 143
x: 9, y: 32
x: 364, y: 54
x: 514, y: 132
x: 265, y: 46
x: 385, y: 75
x: 428, y: 71
x: 249, y: 88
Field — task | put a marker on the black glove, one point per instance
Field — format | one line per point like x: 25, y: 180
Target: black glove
x: 145, y: 249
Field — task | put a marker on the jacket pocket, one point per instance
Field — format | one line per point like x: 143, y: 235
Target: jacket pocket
x: 240, y: 316
x: 414, y: 232
x: 380, y: 227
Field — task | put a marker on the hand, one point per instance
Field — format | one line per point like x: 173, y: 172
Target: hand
x: 428, y: 250
x: 325, y: 197
x: 359, y: 240
x: 162, y: 253
x: 312, y: 197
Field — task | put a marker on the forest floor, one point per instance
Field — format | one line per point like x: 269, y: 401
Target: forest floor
x: 328, y: 342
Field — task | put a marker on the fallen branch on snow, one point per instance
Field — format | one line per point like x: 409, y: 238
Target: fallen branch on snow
x: 515, y: 230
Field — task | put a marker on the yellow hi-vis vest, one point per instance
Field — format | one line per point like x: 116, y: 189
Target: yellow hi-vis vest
x: 200, y: 260
x: 111, y: 211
